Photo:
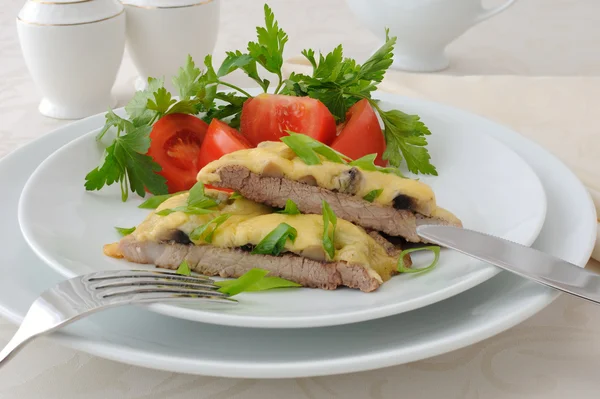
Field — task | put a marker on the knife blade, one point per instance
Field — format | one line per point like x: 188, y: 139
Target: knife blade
x: 516, y: 258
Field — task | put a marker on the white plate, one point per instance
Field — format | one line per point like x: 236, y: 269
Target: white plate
x: 138, y: 337
x: 484, y: 182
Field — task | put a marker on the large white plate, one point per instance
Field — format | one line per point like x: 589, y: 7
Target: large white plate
x: 484, y: 182
x: 138, y: 337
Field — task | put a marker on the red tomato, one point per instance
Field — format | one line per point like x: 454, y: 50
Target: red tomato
x: 361, y: 134
x: 175, y: 146
x: 266, y: 117
x: 220, y: 139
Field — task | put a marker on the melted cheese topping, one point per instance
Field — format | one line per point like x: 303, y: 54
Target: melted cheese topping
x: 250, y: 222
x: 275, y: 157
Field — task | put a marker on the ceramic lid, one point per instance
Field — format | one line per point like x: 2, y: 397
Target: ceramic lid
x: 164, y: 3
x: 68, y: 12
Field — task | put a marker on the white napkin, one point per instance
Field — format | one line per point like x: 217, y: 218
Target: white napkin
x: 559, y: 113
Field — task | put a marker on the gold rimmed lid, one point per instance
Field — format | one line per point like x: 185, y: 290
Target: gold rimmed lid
x: 69, y: 12
x: 59, y: 2
x: 163, y: 4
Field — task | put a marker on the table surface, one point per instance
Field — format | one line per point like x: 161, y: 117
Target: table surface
x: 554, y: 354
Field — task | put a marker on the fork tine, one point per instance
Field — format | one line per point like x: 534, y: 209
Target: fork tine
x: 119, y: 274
x: 138, y: 295
x: 145, y: 281
x: 134, y: 290
x: 154, y: 297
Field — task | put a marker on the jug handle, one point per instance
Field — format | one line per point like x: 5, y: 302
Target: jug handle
x: 493, y: 11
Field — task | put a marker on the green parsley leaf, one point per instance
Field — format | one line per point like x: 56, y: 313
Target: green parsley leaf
x: 376, y: 66
x: 274, y: 242
x: 290, y: 208
x: 403, y: 269
x: 405, y: 138
x: 114, y: 120
x: 263, y: 284
x: 126, y: 163
x: 186, y: 81
x: 307, y: 148
x: 329, y: 225
x: 108, y: 173
x: 233, y: 61
x: 184, y: 269
x: 184, y: 107
x: 373, y: 194
x: 124, y: 231
x: 268, y: 49
x: 161, y: 101
x: 199, y: 231
x: 137, y: 108
x: 368, y: 163
x: 233, y: 108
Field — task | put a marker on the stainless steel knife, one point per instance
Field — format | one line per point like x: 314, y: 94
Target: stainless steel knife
x: 519, y: 259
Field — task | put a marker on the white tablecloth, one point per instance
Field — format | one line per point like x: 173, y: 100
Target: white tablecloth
x: 555, y: 354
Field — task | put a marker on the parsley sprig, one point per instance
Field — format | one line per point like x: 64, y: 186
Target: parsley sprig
x: 340, y: 82
x: 125, y: 163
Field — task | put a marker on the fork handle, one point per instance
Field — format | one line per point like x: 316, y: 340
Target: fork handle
x: 16, y: 343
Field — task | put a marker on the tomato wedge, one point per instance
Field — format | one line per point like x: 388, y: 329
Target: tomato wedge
x: 361, y: 134
x: 266, y: 117
x: 175, y: 145
x: 220, y: 139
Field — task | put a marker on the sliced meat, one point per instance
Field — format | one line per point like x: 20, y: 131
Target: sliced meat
x: 226, y: 262
x: 275, y: 191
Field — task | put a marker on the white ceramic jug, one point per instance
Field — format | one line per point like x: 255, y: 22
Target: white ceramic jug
x: 423, y: 27
x: 161, y: 33
x: 73, y: 50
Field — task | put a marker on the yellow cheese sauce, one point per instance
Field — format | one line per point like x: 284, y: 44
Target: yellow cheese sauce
x: 250, y: 222
x: 277, y: 156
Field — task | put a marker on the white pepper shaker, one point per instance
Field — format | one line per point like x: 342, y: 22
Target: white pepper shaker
x: 73, y: 50
x: 161, y: 34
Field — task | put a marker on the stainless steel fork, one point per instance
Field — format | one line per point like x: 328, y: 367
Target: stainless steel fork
x: 78, y: 297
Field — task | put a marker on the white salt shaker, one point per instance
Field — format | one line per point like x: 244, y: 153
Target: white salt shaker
x: 73, y: 50
x: 161, y: 34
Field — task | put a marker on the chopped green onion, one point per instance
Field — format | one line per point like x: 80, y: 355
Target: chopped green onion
x: 263, y: 284
x: 372, y: 195
x: 184, y: 269
x: 198, y: 198
x: 235, y: 195
x: 290, y: 208
x: 368, y: 163
x: 309, y: 149
x: 185, y: 209
x: 329, y: 232
x: 274, y: 242
x: 125, y: 231
x: 198, y: 203
x: 242, y: 283
x: 433, y: 248
x: 199, y: 231
x: 155, y: 201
